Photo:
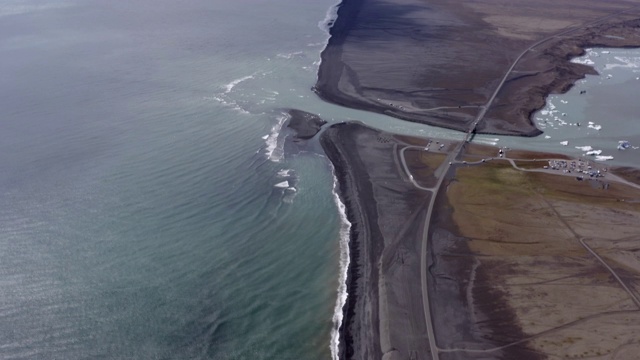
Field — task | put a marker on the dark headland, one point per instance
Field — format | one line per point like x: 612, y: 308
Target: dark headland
x: 528, y: 255
x: 305, y: 125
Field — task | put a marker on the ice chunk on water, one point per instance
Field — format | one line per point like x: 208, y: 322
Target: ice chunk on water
x: 623, y: 145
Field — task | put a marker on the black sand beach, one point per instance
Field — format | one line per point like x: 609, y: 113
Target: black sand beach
x: 384, y: 315
x: 496, y: 254
x: 442, y: 63
x: 304, y: 124
x: 383, y: 307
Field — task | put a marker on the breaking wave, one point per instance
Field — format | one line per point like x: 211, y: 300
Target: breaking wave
x: 345, y: 230
x: 274, y: 148
x: 330, y: 18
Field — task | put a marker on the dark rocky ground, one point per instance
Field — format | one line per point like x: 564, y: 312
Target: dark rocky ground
x: 437, y: 61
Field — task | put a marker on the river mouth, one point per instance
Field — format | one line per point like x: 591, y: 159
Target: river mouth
x: 594, y: 116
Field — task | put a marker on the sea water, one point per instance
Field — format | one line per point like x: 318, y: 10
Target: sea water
x: 149, y: 209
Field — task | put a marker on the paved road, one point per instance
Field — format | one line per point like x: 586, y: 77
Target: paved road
x: 446, y: 164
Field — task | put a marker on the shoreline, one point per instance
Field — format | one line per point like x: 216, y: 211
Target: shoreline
x: 470, y: 305
x: 354, y: 63
x: 368, y: 325
x: 345, y: 263
x: 358, y: 233
x: 383, y: 264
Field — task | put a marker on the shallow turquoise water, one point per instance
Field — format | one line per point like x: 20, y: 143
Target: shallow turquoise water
x: 149, y: 210
x: 140, y: 218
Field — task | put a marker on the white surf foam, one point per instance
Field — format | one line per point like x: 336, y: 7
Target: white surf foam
x: 325, y: 25
x: 329, y: 18
x: 584, y: 148
x: 284, y: 172
x: 228, y: 103
x: 274, y: 150
x: 235, y: 82
x: 291, y: 55
x: 603, y: 158
x: 289, y: 195
x: 345, y: 231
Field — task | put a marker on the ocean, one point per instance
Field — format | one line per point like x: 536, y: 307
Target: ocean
x: 149, y: 210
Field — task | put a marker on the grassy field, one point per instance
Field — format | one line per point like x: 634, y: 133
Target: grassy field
x: 525, y: 231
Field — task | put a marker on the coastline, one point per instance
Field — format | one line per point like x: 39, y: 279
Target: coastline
x: 387, y: 217
x: 478, y: 257
x: 368, y: 326
x: 391, y: 71
x: 345, y: 261
x: 358, y: 270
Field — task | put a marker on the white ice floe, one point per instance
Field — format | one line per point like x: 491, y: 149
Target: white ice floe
x: 583, y: 61
x: 547, y: 137
x: 623, y: 145
x: 626, y: 62
x: 564, y: 143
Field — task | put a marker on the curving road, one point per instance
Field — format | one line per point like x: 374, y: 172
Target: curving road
x: 446, y: 164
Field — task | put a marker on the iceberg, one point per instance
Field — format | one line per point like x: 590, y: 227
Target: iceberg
x: 623, y: 145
